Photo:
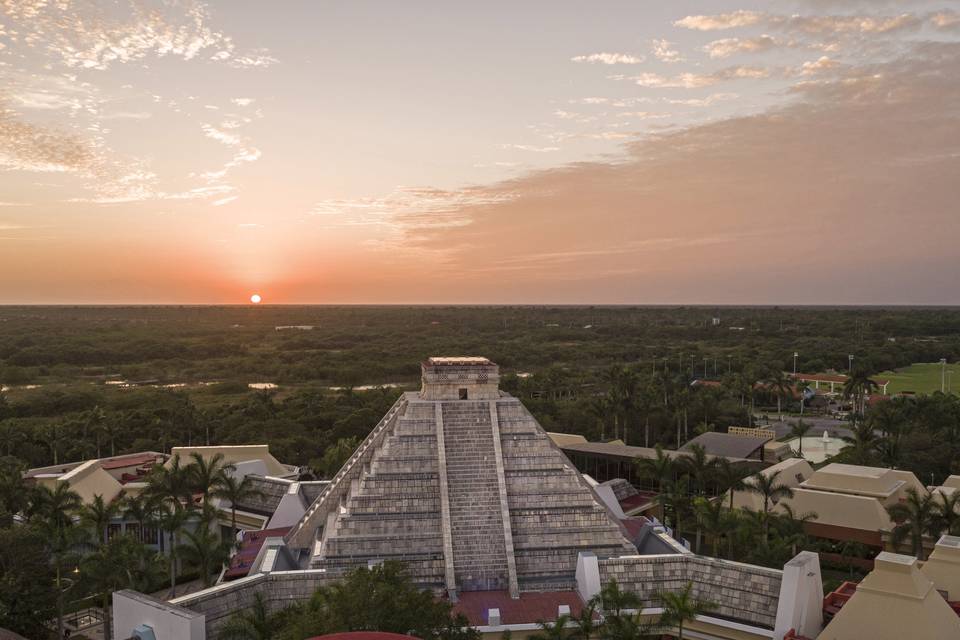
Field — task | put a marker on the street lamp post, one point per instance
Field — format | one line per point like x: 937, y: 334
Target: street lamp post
x: 795, y: 354
x: 850, y: 363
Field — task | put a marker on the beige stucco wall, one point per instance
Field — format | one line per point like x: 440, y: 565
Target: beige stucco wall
x: 232, y: 454
x: 90, y: 479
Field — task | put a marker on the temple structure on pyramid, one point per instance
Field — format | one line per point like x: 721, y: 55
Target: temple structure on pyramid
x: 462, y: 484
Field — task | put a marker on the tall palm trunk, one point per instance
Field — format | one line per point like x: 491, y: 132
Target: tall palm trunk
x: 174, y: 543
x: 105, y: 604
x: 59, y: 602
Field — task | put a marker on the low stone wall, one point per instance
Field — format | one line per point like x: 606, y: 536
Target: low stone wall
x: 745, y: 593
x: 279, y: 589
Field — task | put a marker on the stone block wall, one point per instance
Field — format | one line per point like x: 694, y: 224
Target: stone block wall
x: 278, y: 590
x: 744, y: 593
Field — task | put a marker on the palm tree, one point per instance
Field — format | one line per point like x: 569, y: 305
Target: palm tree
x: 682, y: 607
x: 93, y: 420
x: 103, y: 574
x: 97, y: 516
x: 14, y: 496
x: 856, y: 388
x: 947, y: 512
x: 205, y: 551
x: 862, y: 445
x: 142, y: 509
x: 172, y: 521
x: 599, y: 408
x: 659, y: 468
x: 252, y: 623
x: 799, y: 430
x: 54, y: 509
x: 792, y: 526
x: 171, y: 488
x: 779, y: 386
x: 54, y: 437
x: 585, y: 624
x: 109, y: 428
x: 712, y: 518
x: 206, y: 476
x: 913, y: 518
x: 612, y: 601
x: 172, y: 482
x: 556, y: 631
x: 730, y: 476
x: 236, y: 492
x: 696, y: 464
x: 12, y: 435
x: 772, y: 490
x: 677, y: 496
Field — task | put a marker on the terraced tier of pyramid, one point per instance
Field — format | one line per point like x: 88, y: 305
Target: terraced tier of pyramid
x: 460, y: 482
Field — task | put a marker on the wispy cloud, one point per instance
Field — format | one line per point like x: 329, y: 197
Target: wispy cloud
x: 707, y: 201
x: 530, y: 147
x: 84, y: 36
x: 609, y: 58
x: 721, y: 21
x: 664, y: 52
x: 807, y: 24
x: 727, y: 47
x: 696, y: 80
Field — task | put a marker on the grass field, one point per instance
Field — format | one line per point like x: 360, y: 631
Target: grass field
x: 922, y: 378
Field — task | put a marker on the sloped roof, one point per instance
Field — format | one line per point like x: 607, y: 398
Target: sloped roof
x: 726, y: 445
x: 271, y: 492
x: 627, y: 451
x: 943, y: 567
x: 528, y: 608
x: 895, y: 601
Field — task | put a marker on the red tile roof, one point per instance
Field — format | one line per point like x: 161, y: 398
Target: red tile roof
x: 641, y: 499
x: 242, y: 560
x: 132, y: 460
x: 528, y: 608
x: 826, y: 377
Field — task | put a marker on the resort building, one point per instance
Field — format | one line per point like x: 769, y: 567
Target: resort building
x: 112, y: 478
x: 760, y: 445
x: 849, y: 501
x: 611, y: 460
x: 459, y: 482
x: 833, y: 382
x: 902, y: 599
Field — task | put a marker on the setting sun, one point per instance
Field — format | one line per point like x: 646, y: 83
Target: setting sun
x: 255, y: 298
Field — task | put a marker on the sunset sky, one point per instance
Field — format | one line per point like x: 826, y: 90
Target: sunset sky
x: 480, y: 152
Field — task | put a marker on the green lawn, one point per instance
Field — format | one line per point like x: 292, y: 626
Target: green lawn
x: 921, y: 377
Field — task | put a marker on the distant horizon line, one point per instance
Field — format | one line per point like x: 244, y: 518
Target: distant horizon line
x: 669, y: 305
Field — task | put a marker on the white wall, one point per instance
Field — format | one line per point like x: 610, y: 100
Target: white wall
x: 132, y: 609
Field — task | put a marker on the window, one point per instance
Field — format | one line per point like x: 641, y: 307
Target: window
x: 463, y: 394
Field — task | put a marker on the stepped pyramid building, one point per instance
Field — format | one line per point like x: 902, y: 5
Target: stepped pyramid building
x: 461, y: 483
